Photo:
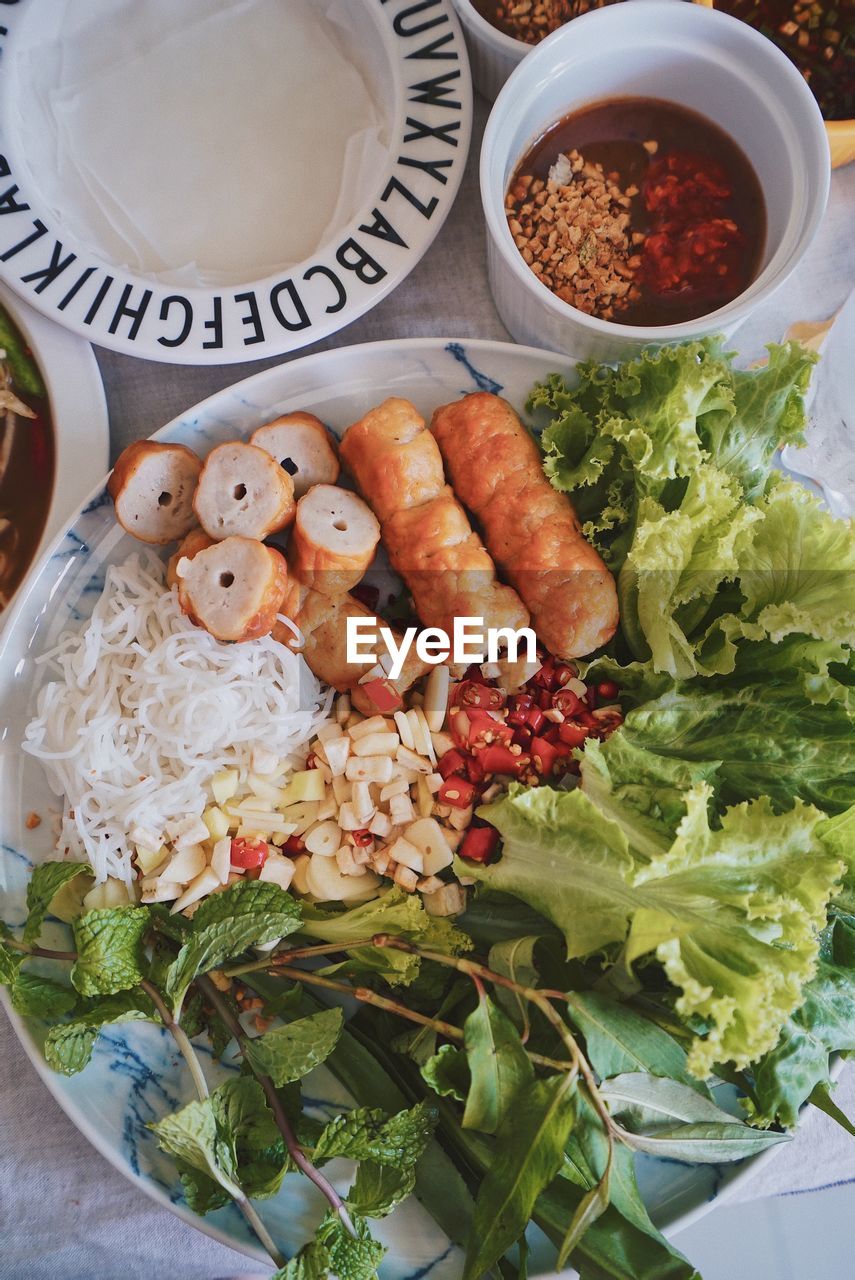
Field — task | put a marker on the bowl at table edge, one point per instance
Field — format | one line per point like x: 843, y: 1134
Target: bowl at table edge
x: 493, y: 55
x: 689, y: 55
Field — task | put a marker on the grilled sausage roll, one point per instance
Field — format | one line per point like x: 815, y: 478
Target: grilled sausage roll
x: 197, y: 540
x: 530, y: 529
x: 333, y: 540
x: 398, y: 468
x: 152, y: 487
x: 302, y: 446
x: 243, y: 492
x: 233, y: 588
x: 322, y: 622
x: 393, y: 458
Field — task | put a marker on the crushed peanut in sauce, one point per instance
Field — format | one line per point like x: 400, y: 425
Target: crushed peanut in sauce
x: 534, y: 20
x: 574, y: 232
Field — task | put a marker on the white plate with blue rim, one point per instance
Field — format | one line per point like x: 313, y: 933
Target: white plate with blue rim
x: 135, y: 1075
x: 224, y: 180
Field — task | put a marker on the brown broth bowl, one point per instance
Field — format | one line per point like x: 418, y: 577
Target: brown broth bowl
x: 613, y: 134
x: 26, y: 485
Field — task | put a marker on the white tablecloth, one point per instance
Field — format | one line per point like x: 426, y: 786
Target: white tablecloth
x: 65, y: 1213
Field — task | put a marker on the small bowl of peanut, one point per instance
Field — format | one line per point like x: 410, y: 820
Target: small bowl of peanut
x: 648, y: 174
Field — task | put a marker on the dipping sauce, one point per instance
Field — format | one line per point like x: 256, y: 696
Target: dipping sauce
x: 638, y: 211
x: 818, y: 36
x: 26, y: 458
x: 534, y: 20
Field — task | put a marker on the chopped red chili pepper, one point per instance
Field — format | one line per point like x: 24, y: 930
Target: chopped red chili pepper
x: 522, y: 737
x: 361, y: 838
x: 293, y: 846
x: 566, y: 701
x: 471, y: 694
x: 248, y: 853
x: 498, y: 758
x: 519, y: 707
x: 608, y: 690
x: 384, y: 695
x: 544, y: 755
x: 572, y: 735
x: 479, y: 844
x: 453, y: 761
x: 535, y: 720
x: 458, y: 792
x: 474, y: 727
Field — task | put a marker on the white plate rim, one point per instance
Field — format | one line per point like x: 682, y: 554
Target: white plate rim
x: 79, y: 421
x: 734, y: 1175
x: 428, y: 165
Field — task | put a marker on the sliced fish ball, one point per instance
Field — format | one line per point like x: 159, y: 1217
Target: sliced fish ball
x: 197, y: 540
x: 242, y: 492
x: 234, y: 588
x: 152, y: 486
x: 302, y: 446
x: 334, y: 539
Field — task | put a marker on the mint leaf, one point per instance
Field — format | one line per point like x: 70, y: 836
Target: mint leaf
x: 674, y: 1122
x: 367, y: 1133
x: 350, y: 1259
x: 250, y: 913
x: 498, y: 1065
x: 10, y: 961
x: 291, y: 1051
x: 69, y: 1046
x: 192, y: 1136
x: 529, y: 1153
x: 36, y: 997
x: 109, y: 950
x: 311, y: 1263
x: 379, y: 1188
x: 47, y: 880
x: 619, y: 1040
x: 447, y: 1072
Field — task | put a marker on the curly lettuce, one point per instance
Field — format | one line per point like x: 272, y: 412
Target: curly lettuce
x: 733, y: 913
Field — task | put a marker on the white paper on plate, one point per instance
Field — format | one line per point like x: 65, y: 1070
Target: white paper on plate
x: 205, y: 142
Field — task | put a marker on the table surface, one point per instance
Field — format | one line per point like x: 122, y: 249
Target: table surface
x: 64, y: 1211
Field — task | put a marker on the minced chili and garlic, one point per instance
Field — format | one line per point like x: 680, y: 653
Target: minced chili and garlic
x: 574, y: 231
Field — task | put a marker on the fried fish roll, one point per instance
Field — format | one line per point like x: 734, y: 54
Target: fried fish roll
x: 398, y: 468
x: 333, y: 541
x: 447, y: 567
x: 393, y: 458
x: 531, y: 529
x: 302, y: 446
x: 322, y: 623
x: 152, y: 487
x: 234, y: 588
x: 242, y: 491
x: 197, y: 540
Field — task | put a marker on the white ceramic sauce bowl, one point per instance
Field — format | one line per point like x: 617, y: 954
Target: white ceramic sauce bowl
x: 493, y: 55
x: 683, y: 53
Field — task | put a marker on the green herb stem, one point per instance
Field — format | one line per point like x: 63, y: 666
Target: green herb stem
x: 365, y: 995
x: 180, y: 1037
x: 44, y: 953
x: 287, y: 954
x: 295, y: 1151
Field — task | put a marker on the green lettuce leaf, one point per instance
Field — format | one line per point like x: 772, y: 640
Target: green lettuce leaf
x: 786, y: 1077
x: 733, y: 914
x: 394, y: 912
